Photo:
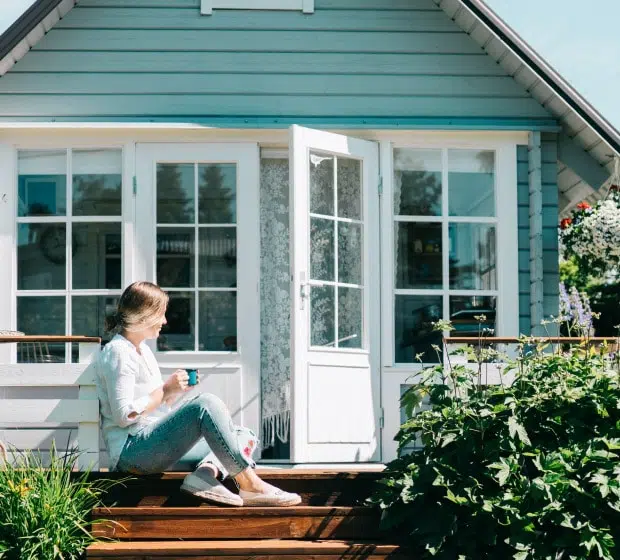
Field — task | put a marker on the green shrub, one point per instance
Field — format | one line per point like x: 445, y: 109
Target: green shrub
x: 526, y: 471
x: 44, y: 511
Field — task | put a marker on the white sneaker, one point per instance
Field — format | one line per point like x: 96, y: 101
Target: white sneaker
x: 274, y: 497
x: 203, y: 485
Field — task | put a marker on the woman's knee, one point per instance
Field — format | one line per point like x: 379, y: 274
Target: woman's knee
x: 207, y: 402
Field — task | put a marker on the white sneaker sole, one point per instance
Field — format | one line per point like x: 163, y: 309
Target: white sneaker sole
x: 212, y: 496
x: 272, y: 501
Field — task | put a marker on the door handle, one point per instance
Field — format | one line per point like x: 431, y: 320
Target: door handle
x: 303, y: 290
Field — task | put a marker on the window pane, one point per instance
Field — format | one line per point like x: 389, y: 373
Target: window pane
x: 471, y: 183
x: 178, y: 333
x: 97, y: 180
x: 417, y: 182
x: 217, y: 259
x: 175, y: 257
x: 349, y: 188
x: 321, y: 184
x: 472, y: 257
x: 41, y: 316
x: 418, y: 256
x: 88, y: 315
x: 42, y: 183
x: 217, y: 194
x: 350, y: 253
x: 413, y: 332
x: 41, y: 256
x: 175, y: 193
x: 322, y: 249
x: 218, y: 321
x: 350, y: 312
x: 465, y: 309
x: 322, y: 316
x: 97, y: 256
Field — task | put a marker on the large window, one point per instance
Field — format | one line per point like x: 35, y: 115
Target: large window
x: 197, y: 255
x: 69, y: 245
x: 445, y: 248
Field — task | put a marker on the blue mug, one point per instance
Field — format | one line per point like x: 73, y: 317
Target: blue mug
x: 193, y: 377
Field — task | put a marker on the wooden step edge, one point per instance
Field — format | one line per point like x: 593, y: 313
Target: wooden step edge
x: 271, y: 474
x: 221, y: 548
x: 215, y: 511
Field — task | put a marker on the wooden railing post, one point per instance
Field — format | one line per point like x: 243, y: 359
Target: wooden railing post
x: 88, y: 432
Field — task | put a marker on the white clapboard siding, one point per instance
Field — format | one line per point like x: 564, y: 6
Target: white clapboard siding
x: 43, y: 439
x: 46, y: 375
x: 24, y: 411
x: 31, y: 409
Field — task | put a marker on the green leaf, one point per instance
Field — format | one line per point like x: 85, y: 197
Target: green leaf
x: 504, y: 472
x: 517, y: 429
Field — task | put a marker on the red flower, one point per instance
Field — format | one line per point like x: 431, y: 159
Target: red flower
x: 565, y: 223
x: 614, y: 188
x: 583, y: 206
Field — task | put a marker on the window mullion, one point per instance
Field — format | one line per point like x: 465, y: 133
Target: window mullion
x: 445, y: 232
x: 336, y: 256
x: 196, y: 256
x: 69, y: 253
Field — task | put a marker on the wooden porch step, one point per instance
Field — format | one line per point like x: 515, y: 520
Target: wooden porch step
x: 316, y: 487
x: 248, y: 550
x: 206, y: 522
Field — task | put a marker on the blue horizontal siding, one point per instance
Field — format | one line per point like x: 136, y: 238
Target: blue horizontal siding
x: 160, y: 59
x: 551, y: 276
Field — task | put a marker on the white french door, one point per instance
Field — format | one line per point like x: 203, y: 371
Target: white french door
x: 197, y: 236
x: 335, y: 371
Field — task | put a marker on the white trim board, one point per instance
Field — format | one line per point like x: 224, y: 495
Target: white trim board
x: 305, y: 6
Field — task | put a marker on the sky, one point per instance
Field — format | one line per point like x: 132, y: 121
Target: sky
x: 581, y: 40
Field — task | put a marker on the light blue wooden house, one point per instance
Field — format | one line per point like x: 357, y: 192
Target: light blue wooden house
x: 313, y: 181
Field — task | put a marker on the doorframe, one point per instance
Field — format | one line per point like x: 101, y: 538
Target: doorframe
x: 246, y: 360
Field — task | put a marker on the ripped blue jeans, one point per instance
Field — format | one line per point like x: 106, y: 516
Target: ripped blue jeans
x: 201, y: 429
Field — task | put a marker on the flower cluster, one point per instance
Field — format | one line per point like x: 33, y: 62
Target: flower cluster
x: 592, y: 234
x: 575, y: 311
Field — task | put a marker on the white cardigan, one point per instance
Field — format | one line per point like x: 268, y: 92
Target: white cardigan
x: 124, y: 380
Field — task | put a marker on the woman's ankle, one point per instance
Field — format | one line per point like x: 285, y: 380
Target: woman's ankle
x: 249, y: 481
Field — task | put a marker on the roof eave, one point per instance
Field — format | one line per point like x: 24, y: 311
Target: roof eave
x: 571, y: 96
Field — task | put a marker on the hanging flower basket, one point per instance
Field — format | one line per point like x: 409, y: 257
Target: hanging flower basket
x: 591, y: 235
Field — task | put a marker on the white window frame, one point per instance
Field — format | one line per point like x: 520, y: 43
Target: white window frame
x: 305, y: 6
x: 507, y: 249
x: 125, y: 219
x: 246, y: 156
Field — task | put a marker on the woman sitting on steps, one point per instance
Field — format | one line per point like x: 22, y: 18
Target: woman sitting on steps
x: 142, y: 438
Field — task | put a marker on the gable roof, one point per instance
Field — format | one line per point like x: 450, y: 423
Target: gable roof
x: 585, y: 132
x: 588, y: 143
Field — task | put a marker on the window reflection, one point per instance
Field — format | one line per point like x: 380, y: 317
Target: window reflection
x: 417, y: 182
x: 472, y: 257
x: 178, y: 333
x: 97, y: 256
x: 42, y: 183
x: 41, y: 315
x: 97, y: 182
x: 175, y: 193
x: 217, y: 193
x: 473, y: 316
x: 414, y: 334
x: 419, y: 254
x: 472, y: 183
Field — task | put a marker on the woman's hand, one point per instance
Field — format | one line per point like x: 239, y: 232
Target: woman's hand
x: 176, y: 383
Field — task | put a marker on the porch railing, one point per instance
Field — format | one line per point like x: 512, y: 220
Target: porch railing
x: 27, y: 416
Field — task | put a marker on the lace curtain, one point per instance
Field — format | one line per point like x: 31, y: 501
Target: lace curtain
x: 275, y: 300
